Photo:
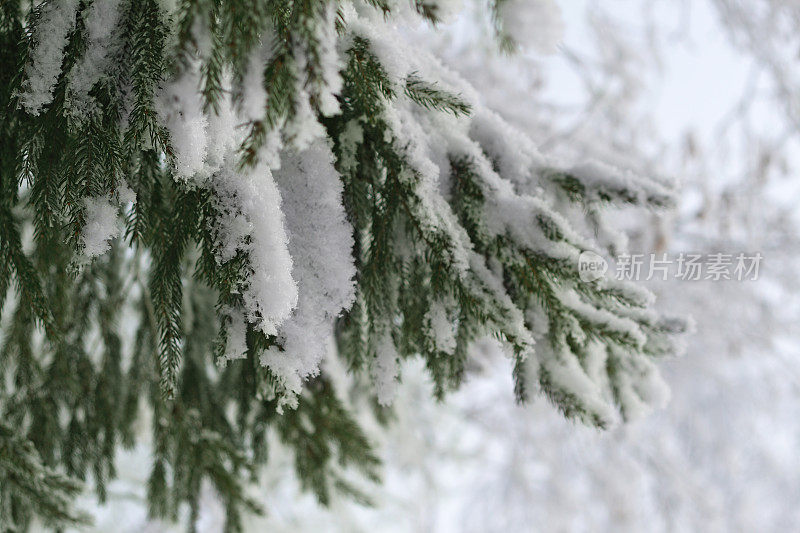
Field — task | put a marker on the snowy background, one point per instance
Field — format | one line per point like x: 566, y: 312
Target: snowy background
x: 704, y: 91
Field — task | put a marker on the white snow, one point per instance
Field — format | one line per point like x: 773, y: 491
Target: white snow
x: 304, y: 127
x: 566, y: 375
x: 597, y: 174
x: 316, y: 78
x: 514, y: 321
x: 600, y: 317
x: 100, y: 227
x: 251, y: 221
x: 236, y: 334
x: 100, y: 19
x: 384, y: 369
x: 477, y: 462
x: 445, y: 10
x: 125, y: 194
x: 222, y: 134
x: 517, y: 156
x: 50, y: 36
x: 321, y: 244
x: 180, y: 109
x: 443, y: 327
x: 534, y: 24
x: 330, y: 81
x: 254, y: 97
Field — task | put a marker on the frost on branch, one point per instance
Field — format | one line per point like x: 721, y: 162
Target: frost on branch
x: 291, y: 176
x: 296, y: 181
x: 250, y: 220
x: 476, y: 188
x: 54, y: 21
x: 100, y: 226
x: 101, y: 44
x: 321, y: 245
x: 180, y: 107
x: 337, y: 179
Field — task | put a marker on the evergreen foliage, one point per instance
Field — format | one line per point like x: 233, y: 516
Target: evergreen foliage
x: 144, y: 267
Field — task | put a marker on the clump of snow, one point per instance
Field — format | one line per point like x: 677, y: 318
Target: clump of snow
x: 235, y: 334
x: 594, y: 363
x: 383, y: 44
x: 533, y: 24
x: 330, y: 80
x: 304, y: 126
x: 384, y: 369
x: 320, y: 243
x: 349, y: 139
x: 252, y: 105
x: 100, y: 227
x: 598, y: 175
x: 41, y: 72
x: 180, y: 109
x: 251, y: 221
x: 516, y: 155
x: 222, y: 134
x: 444, y: 328
x: 600, y: 317
x: 514, y: 321
x: 101, y: 20
x: 566, y: 375
x: 639, y: 387
x: 434, y: 214
x: 315, y: 68
x: 125, y: 194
